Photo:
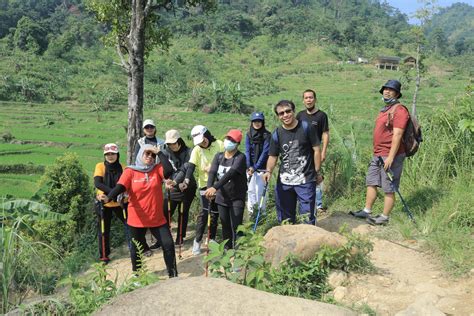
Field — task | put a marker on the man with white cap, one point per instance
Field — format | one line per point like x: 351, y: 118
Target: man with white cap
x: 205, y: 148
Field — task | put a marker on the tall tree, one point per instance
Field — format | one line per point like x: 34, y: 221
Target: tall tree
x: 135, y: 29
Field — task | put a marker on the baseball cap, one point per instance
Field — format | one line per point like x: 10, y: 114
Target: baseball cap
x: 198, y: 134
x: 148, y: 122
x: 235, y: 135
x: 172, y: 136
x: 111, y: 148
x: 257, y: 116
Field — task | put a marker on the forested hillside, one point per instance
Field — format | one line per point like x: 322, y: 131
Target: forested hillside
x: 51, y: 49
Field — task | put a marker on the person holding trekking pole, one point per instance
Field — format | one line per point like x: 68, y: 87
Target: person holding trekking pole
x: 106, y: 176
x: 257, y: 141
x: 227, y: 183
x: 181, y: 196
x: 297, y: 145
x: 206, y: 146
x: 387, y: 143
x: 143, y: 182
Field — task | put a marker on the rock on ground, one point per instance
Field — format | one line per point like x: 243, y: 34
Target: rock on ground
x: 301, y: 240
x: 210, y: 296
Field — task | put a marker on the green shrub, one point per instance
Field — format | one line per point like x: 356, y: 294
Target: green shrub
x: 68, y: 192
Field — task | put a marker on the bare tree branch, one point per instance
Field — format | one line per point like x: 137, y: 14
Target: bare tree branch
x: 123, y: 62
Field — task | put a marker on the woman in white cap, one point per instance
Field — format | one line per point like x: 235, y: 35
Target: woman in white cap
x: 179, y: 154
x: 227, y: 183
x: 143, y: 182
x: 206, y: 147
x: 149, y: 130
x: 106, y: 176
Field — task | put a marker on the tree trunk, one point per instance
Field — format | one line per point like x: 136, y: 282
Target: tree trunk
x: 136, y: 49
x: 417, y: 81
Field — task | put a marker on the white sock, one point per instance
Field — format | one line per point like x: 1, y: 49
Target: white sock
x: 367, y: 210
x: 384, y: 216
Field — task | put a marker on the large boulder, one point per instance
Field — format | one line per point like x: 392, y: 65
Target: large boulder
x: 210, y: 296
x: 301, y: 240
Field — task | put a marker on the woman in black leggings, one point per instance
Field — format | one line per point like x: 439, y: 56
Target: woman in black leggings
x: 227, y: 183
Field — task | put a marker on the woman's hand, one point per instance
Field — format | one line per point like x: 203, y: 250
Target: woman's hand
x: 210, y: 193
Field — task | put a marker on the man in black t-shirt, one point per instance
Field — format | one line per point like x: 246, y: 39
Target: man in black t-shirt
x: 297, y: 145
x: 319, y: 120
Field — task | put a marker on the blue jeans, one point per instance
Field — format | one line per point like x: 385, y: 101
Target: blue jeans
x: 319, y: 196
x: 286, y: 197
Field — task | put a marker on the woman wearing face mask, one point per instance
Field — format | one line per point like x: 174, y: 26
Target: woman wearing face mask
x: 178, y: 154
x: 227, y: 183
x: 206, y: 147
x: 106, y: 175
x: 256, y: 152
x: 143, y: 183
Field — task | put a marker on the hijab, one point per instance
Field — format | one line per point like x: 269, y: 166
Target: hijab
x: 139, y: 163
x: 257, y: 138
x: 113, y: 171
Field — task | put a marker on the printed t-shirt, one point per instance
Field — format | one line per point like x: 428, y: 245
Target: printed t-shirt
x: 383, y: 131
x: 295, y: 148
x: 202, y: 159
x: 145, y: 197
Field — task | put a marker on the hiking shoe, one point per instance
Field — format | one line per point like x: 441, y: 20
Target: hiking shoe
x: 155, y: 246
x: 377, y: 220
x: 360, y: 214
x: 196, y: 248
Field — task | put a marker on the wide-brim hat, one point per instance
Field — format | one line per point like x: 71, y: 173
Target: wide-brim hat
x: 392, y: 84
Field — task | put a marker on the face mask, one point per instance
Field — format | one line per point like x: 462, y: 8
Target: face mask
x: 229, y: 145
x: 389, y: 101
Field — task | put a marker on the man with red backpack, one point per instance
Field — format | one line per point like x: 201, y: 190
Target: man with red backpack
x: 390, y: 125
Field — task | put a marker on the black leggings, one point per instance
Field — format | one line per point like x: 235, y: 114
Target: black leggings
x: 119, y: 213
x: 231, y: 217
x: 186, y: 203
x: 163, y: 235
x: 201, y: 221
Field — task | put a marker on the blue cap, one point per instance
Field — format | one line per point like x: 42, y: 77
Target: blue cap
x: 257, y: 116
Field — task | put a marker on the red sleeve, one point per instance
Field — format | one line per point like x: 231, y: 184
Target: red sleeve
x: 400, y: 117
x: 126, y: 178
x: 160, y: 171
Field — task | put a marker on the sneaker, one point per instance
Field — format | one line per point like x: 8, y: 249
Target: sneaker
x: 212, y: 241
x: 147, y: 253
x: 155, y: 246
x: 196, y: 248
x: 377, y: 220
x: 360, y: 214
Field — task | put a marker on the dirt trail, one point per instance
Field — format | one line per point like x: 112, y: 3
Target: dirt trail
x: 405, y: 277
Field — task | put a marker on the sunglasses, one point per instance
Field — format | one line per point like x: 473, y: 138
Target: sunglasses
x: 110, y: 147
x: 281, y: 113
x: 149, y: 153
x: 149, y: 127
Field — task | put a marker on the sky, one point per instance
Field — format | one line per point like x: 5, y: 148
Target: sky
x: 410, y: 6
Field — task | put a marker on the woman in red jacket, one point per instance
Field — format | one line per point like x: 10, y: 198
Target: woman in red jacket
x: 143, y: 183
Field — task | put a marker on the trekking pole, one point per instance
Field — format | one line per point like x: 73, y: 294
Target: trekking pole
x: 208, y: 233
x: 260, y: 205
x: 390, y: 178
x: 102, y: 229
x: 169, y: 208
x: 181, y: 213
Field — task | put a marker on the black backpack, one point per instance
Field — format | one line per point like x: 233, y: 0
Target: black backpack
x: 412, y: 136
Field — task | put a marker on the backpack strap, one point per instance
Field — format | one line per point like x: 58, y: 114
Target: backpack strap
x: 391, y: 113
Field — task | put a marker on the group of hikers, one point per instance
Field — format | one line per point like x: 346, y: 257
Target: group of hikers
x: 229, y: 180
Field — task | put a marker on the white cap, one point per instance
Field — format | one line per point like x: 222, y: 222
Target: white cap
x: 198, y: 134
x: 111, y: 148
x: 148, y: 122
